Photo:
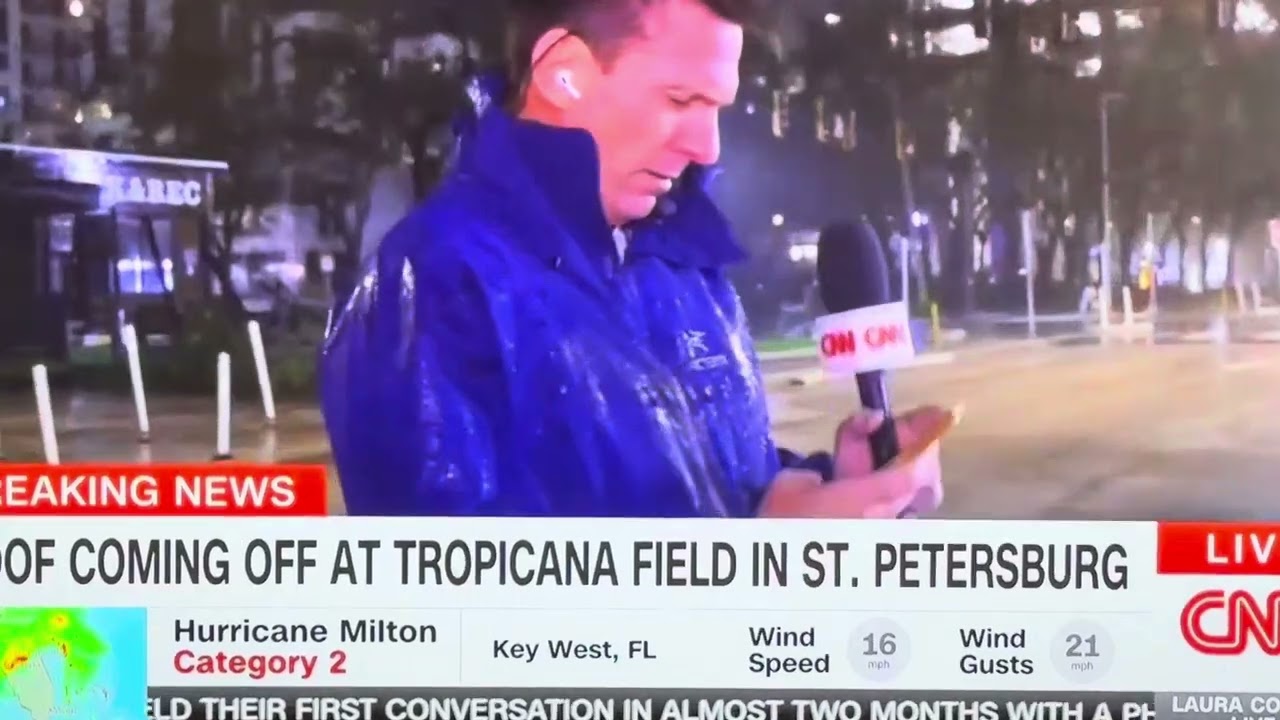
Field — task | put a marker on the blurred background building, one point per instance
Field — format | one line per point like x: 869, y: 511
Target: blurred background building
x: 1083, y: 142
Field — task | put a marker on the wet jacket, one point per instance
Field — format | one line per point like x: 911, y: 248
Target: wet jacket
x: 501, y: 359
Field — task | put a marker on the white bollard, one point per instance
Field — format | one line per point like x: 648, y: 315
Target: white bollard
x: 130, y: 337
x: 264, y: 377
x: 1126, y: 298
x: 1255, y: 289
x: 222, y: 450
x: 1240, y: 301
x: 44, y: 410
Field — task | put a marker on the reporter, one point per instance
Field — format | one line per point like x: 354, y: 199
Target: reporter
x: 552, y: 332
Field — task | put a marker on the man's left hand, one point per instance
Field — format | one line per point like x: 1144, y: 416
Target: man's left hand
x: 918, y: 432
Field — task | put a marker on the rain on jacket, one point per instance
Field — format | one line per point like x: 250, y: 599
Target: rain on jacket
x: 500, y: 360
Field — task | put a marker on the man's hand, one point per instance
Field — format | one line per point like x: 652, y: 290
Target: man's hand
x: 915, y: 475
x: 912, y: 483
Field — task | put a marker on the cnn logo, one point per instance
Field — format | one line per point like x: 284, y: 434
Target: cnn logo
x: 875, y: 337
x: 839, y: 343
x: 1216, y: 622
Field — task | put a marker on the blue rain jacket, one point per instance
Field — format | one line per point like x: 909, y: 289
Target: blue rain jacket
x: 501, y: 360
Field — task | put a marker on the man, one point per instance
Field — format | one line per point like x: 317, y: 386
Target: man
x: 552, y: 332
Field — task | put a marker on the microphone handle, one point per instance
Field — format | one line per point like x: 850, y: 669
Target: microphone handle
x: 884, y: 441
x: 875, y: 396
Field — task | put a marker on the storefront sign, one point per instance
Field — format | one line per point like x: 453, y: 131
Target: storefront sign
x: 152, y: 191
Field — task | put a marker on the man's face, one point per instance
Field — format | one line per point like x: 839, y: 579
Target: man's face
x: 655, y: 108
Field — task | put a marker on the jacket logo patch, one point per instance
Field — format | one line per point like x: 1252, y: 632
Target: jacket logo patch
x: 698, y: 355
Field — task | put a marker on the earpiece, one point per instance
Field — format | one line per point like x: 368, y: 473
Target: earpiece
x: 566, y: 79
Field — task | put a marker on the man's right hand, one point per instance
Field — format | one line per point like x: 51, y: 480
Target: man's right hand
x: 911, y: 484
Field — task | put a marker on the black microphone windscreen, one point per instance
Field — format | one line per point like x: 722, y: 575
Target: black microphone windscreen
x: 852, y: 272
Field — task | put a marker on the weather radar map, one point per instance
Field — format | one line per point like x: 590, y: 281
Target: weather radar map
x: 73, y: 663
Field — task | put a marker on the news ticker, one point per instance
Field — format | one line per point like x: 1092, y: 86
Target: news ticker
x: 345, y: 602
x: 634, y: 704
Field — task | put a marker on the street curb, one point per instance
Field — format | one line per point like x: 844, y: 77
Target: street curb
x: 813, y: 376
x: 960, y: 348
x: 794, y: 354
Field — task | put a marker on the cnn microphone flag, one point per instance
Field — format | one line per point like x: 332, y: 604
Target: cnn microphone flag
x: 865, y: 339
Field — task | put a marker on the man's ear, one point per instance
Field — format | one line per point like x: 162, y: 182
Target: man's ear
x: 564, y: 69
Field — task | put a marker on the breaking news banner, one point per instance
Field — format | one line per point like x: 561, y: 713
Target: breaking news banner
x: 222, y: 489
x: 522, y: 603
x: 628, y: 704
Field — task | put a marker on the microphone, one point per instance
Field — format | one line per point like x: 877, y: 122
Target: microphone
x: 867, y: 331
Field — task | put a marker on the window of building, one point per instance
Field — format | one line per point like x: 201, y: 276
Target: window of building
x: 136, y: 266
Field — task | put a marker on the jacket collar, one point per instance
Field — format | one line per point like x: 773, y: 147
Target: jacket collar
x: 553, y: 174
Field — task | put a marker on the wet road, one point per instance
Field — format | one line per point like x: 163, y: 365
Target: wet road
x: 1180, y: 429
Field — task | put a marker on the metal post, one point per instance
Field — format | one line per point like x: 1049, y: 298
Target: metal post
x: 1104, y: 261
x: 904, y: 257
x: 44, y: 412
x: 133, y: 353
x: 1157, y: 255
x: 264, y: 375
x: 1029, y: 266
x: 222, y: 446
x: 908, y: 190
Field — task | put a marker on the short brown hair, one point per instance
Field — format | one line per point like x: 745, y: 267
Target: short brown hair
x: 598, y: 22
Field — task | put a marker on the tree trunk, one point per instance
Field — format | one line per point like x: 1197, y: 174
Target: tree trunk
x: 1125, y: 245
x: 1204, y: 257
x: 215, y: 252
x: 416, y: 139
x: 352, y: 226
x: 1178, y: 226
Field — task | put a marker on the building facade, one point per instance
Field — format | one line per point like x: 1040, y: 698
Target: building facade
x: 93, y: 238
x: 46, y: 67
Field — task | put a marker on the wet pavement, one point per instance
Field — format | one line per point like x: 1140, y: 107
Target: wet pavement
x: 1118, y: 431
x: 1166, y: 324
x: 1169, y: 426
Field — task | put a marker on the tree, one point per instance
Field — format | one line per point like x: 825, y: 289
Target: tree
x: 203, y: 104
x: 1194, y: 135
x: 332, y: 116
x: 432, y: 48
x: 370, y: 89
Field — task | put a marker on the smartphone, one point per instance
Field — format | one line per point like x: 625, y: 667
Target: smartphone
x: 940, y: 422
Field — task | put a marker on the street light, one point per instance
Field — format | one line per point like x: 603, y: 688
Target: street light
x: 1104, y: 261
x: 778, y: 220
x: 76, y: 8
